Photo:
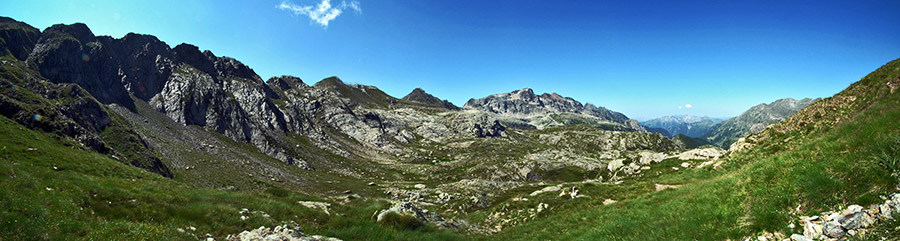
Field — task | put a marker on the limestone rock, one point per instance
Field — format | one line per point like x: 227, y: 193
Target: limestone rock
x: 797, y: 237
x: 833, y: 229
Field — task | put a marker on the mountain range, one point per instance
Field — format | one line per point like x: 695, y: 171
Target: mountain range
x: 129, y: 138
x: 692, y: 126
x: 755, y: 120
x: 724, y: 132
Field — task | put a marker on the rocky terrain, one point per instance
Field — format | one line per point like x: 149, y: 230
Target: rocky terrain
x: 193, y: 116
x: 129, y: 137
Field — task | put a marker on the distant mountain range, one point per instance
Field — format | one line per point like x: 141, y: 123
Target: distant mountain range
x: 688, y: 125
x: 722, y: 132
x: 755, y: 120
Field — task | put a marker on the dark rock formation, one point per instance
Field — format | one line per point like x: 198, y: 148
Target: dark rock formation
x: 17, y: 38
x: 72, y: 54
x: 419, y: 95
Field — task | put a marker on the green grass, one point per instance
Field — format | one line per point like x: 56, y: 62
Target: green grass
x: 849, y: 163
x: 55, y: 191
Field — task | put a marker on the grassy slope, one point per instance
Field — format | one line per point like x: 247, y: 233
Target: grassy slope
x: 849, y: 163
x: 57, y: 192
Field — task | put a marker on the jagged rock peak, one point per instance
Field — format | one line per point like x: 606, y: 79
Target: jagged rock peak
x: 190, y: 54
x: 9, y: 23
x: 417, y: 92
x: 548, y: 109
x: 525, y: 102
x: 420, y: 96
x: 286, y: 82
x: 79, y: 31
x: 526, y: 94
x: 330, y: 81
x: 19, y: 37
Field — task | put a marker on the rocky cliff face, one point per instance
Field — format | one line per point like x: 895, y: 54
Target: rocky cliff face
x: 191, y: 87
x: 755, y: 120
x: 17, y: 38
x: 72, y: 54
x: 547, y: 110
x: 64, y: 108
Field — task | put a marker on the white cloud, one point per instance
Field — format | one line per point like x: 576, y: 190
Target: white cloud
x: 322, y: 13
x: 688, y: 106
x: 679, y: 107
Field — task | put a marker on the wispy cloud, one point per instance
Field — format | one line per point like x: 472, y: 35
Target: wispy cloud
x: 687, y: 106
x: 323, y: 12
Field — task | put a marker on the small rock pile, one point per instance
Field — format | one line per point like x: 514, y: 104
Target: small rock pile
x: 850, y: 222
x: 425, y: 216
x: 287, y: 232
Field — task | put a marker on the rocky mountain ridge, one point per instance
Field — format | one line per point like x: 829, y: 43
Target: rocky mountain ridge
x: 755, y: 120
x: 523, y: 107
x: 220, y: 94
x: 232, y: 152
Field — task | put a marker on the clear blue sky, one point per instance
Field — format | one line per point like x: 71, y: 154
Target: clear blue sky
x: 642, y: 58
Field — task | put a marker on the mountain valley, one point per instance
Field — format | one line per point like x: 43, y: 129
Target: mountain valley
x: 129, y: 138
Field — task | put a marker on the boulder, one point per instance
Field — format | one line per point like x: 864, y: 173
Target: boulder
x: 833, y: 229
x: 615, y: 165
x: 812, y: 230
x: 856, y: 220
x: 797, y: 237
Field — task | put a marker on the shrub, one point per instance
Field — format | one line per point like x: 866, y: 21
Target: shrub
x: 400, y: 221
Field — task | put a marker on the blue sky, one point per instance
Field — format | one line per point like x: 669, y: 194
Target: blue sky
x: 642, y: 58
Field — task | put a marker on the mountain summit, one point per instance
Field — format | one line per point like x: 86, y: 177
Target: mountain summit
x: 419, y: 95
x: 549, y: 109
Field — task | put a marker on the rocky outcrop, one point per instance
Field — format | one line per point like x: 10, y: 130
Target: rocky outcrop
x: 418, y: 95
x: 421, y: 215
x: 72, y: 54
x: 191, y: 87
x: 285, y: 232
x: 17, y: 38
x: 68, y: 110
x: 145, y: 63
x: 852, y: 221
x: 710, y: 153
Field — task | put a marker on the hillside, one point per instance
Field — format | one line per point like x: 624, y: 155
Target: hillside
x: 754, y: 120
x: 799, y: 167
